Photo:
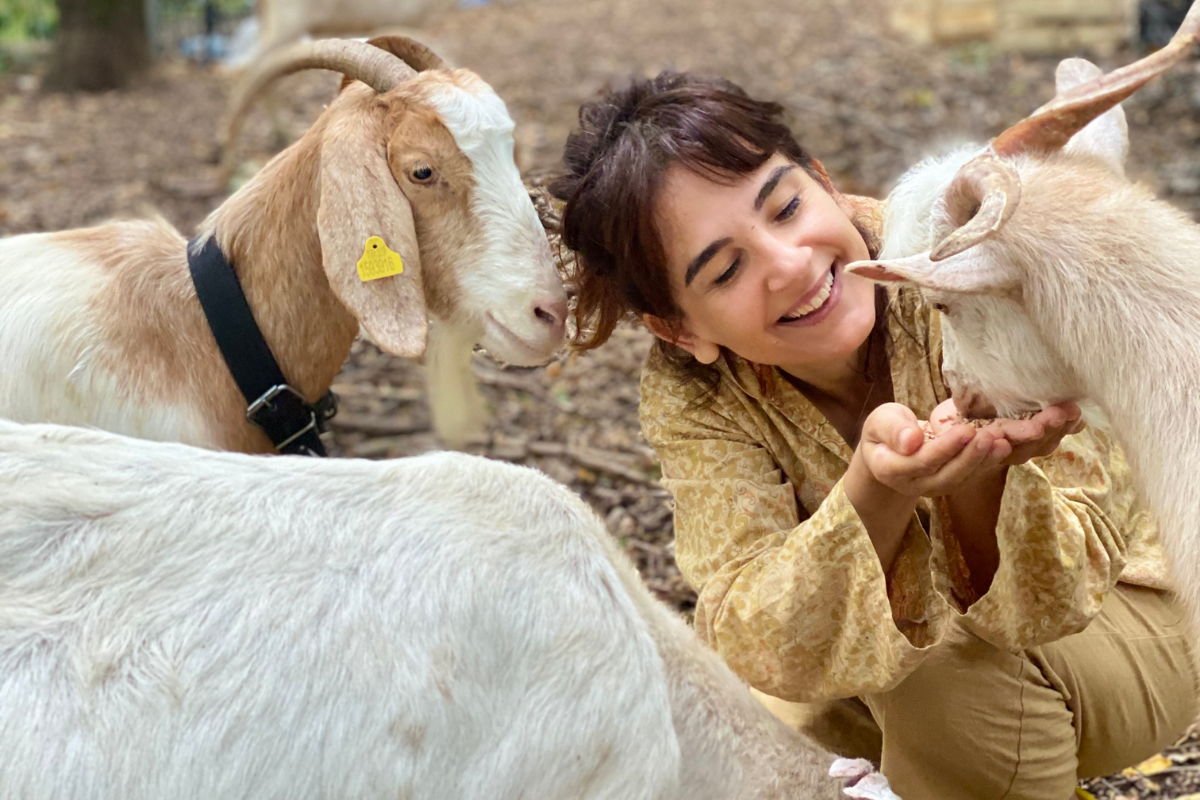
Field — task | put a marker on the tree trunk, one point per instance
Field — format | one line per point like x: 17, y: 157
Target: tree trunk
x: 101, y: 44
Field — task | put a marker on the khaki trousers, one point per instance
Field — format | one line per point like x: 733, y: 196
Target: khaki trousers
x: 975, y: 722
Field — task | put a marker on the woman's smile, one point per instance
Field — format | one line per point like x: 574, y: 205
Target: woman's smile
x: 757, y: 266
x: 816, y: 304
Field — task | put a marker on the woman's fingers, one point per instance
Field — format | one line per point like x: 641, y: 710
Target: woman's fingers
x: 1018, y: 431
x: 901, y: 455
x: 944, y: 415
x: 1042, y: 434
x: 894, y: 426
x: 962, y: 466
x: 901, y: 471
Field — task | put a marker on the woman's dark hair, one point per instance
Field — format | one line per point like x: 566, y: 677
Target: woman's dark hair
x: 615, y: 165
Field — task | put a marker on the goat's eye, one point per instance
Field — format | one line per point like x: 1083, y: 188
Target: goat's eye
x: 422, y: 173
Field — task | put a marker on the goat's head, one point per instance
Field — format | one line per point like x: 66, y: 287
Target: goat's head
x: 421, y: 156
x: 979, y: 246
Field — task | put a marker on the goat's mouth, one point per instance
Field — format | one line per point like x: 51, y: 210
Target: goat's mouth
x: 817, y: 303
x: 505, y: 345
x: 975, y: 406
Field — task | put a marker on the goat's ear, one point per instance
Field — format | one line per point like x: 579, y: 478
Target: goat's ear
x: 969, y: 272
x: 1107, y: 136
x: 360, y: 200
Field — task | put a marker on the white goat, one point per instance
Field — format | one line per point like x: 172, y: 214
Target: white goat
x: 1060, y: 280
x: 181, y: 623
x: 102, y: 327
x: 282, y: 22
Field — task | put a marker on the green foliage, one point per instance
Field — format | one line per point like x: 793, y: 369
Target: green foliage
x: 191, y: 8
x: 21, y: 20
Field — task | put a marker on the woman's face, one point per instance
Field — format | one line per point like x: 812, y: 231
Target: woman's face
x: 757, y: 267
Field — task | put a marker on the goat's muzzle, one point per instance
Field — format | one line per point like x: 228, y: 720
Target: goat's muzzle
x: 971, y: 403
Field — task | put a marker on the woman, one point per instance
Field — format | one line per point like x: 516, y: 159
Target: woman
x: 837, y: 550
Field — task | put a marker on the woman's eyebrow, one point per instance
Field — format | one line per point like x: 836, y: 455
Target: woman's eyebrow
x: 705, y: 256
x: 768, y: 187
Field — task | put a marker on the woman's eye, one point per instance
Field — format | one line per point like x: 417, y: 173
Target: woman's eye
x: 789, y: 210
x: 727, y: 275
x: 940, y: 307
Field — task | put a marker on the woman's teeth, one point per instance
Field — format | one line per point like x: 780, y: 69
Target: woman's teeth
x: 812, y: 305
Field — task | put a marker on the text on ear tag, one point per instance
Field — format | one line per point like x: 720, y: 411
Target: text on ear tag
x: 378, y: 261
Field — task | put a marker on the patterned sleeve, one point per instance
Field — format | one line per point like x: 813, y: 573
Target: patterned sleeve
x: 799, y: 609
x: 1068, y: 524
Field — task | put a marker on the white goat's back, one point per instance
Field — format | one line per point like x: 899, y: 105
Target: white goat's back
x: 180, y: 623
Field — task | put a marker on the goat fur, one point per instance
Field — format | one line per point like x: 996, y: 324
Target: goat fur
x: 1089, y: 292
x: 180, y: 623
x: 101, y: 326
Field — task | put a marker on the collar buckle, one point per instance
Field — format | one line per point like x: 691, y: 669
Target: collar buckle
x: 285, y: 415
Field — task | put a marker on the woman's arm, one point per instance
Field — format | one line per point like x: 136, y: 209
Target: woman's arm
x: 1046, y: 537
x: 974, y: 509
x: 895, y: 464
x: 799, y: 605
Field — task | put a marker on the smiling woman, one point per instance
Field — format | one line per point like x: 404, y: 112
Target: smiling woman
x: 846, y: 537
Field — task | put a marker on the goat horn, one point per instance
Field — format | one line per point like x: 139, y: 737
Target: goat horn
x: 999, y: 187
x: 1053, y: 125
x: 410, y: 51
x: 374, y: 66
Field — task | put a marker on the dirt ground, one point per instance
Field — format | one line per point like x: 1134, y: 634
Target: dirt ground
x: 866, y: 103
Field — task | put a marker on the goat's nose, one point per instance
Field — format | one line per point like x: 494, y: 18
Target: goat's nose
x: 973, y: 404
x: 552, y: 311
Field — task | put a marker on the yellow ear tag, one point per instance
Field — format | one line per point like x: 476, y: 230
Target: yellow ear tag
x: 378, y: 261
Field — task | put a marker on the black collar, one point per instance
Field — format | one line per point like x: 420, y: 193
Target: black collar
x: 292, y: 423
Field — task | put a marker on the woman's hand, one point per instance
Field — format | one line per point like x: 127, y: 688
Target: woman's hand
x: 895, y: 463
x: 900, y: 458
x: 1037, y: 436
x: 974, y: 508
x: 896, y: 451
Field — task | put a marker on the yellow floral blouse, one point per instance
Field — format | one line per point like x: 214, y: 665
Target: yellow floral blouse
x: 791, y: 592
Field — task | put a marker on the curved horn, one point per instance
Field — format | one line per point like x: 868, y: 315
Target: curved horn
x: 374, y: 66
x: 998, y: 187
x: 408, y: 50
x: 1053, y: 125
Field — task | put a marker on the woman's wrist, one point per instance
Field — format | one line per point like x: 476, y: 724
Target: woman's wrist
x: 885, y: 512
x: 974, y: 511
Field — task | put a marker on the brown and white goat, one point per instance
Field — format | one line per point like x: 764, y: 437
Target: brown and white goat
x: 1058, y: 279
x: 101, y: 326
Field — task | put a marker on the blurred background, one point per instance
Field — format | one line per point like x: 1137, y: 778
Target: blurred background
x: 109, y: 108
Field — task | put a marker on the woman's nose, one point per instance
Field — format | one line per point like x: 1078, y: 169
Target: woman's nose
x: 786, y: 262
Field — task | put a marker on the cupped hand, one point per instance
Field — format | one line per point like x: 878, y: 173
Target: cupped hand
x: 1037, y: 436
x: 895, y: 448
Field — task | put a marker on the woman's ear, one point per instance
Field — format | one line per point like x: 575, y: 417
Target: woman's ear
x: 702, y: 350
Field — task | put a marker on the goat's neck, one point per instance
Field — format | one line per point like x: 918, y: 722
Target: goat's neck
x: 268, y: 231
x: 732, y: 747
x: 1124, y: 311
